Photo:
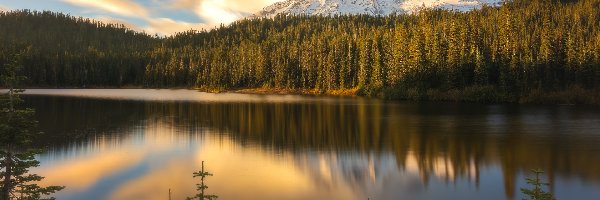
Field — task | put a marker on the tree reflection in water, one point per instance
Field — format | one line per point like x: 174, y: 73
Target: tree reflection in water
x: 360, y: 141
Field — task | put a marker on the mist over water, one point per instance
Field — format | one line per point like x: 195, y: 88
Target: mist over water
x: 138, y: 144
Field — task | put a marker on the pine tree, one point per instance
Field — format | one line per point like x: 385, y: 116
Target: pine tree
x: 537, y: 193
x: 201, y: 187
x: 17, y: 129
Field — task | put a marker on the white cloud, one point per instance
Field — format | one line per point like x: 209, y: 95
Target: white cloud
x: 211, y: 12
x: 4, y: 8
x: 216, y: 11
x: 166, y: 26
x: 240, y: 6
x: 248, y: 6
x: 120, y: 7
x: 226, y: 11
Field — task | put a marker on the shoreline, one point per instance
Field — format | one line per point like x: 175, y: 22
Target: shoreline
x: 568, y: 96
x: 288, y: 91
x: 264, y: 91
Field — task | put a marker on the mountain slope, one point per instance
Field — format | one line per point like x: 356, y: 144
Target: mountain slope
x: 370, y: 7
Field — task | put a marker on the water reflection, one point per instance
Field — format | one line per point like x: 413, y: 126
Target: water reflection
x: 331, y: 149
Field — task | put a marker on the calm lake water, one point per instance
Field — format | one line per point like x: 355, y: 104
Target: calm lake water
x: 138, y: 144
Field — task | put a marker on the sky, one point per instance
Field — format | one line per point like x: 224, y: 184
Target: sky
x: 162, y: 17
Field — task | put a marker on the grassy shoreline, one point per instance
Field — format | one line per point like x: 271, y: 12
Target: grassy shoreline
x: 479, y: 94
x: 285, y: 91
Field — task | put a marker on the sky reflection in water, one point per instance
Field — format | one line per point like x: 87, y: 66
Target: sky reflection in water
x: 122, y: 144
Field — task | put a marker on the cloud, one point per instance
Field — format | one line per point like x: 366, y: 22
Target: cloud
x: 211, y: 13
x: 166, y: 26
x: 242, y: 6
x: 227, y: 11
x: 181, y: 4
x: 4, y: 8
x: 120, y: 7
x: 215, y: 12
x: 84, y: 172
x: 248, y: 6
x: 171, y: 174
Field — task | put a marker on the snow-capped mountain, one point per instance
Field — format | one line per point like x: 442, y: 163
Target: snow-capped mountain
x: 371, y: 7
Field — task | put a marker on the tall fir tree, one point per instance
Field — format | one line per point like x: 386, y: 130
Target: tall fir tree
x: 17, y: 130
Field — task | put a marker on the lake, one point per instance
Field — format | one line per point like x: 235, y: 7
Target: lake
x: 139, y: 144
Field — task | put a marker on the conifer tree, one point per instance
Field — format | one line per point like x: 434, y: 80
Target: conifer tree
x: 200, y: 188
x: 17, y: 129
x: 537, y: 193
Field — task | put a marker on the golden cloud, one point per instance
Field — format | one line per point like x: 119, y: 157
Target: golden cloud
x: 120, y: 7
x: 227, y: 11
x: 79, y: 174
x: 240, y: 6
x: 174, y: 175
x: 4, y: 8
x: 182, y: 4
x: 212, y: 12
x: 230, y: 163
x: 247, y: 6
x: 166, y: 26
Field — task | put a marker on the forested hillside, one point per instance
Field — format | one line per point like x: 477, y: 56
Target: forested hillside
x: 61, y: 50
x: 522, y: 50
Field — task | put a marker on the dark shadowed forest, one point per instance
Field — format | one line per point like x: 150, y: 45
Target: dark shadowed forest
x: 523, y: 51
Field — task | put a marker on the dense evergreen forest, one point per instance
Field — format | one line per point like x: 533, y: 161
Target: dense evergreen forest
x: 524, y: 50
x: 57, y: 50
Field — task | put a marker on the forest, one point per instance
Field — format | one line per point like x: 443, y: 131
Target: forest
x: 544, y: 51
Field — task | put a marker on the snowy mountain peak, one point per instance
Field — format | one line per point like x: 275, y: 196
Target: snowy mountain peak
x: 370, y: 7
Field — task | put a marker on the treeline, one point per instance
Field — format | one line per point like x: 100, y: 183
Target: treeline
x: 58, y: 50
x: 507, y: 53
